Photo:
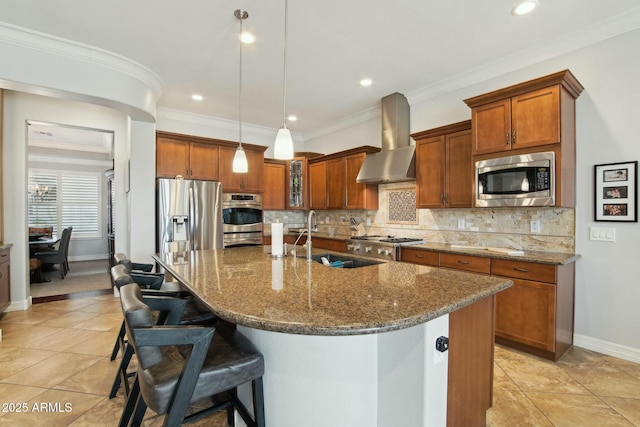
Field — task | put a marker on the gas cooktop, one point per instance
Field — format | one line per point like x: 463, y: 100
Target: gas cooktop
x: 388, y: 239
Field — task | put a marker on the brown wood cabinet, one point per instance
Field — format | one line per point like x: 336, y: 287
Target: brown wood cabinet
x: 318, y: 185
x: 535, y: 315
x: 196, y: 157
x: 531, y: 114
x: 444, y: 167
x: 297, y: 185
x: 250, y: 182
x: 534, y: 116
x: 341, y: 191
x: 273, y: 180
x: 329, y: 244
x: 419, y: 256
x: 5, y: 278
x: 191, y: 159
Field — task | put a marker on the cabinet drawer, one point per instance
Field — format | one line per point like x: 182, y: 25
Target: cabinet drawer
x: 524, y: 270
x: 4, y: 255
x: 466, y: 262
x: 330, y: 244
x: 419, y: 256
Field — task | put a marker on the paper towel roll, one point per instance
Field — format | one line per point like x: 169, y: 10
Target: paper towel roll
x: 276, y: 238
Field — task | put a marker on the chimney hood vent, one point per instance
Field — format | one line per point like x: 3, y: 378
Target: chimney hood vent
x: 396, y: 162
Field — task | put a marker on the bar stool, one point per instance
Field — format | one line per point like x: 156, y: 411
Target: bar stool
x: 184, y: 364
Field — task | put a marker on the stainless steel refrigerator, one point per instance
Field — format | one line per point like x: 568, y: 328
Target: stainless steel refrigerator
x: 189, y: 215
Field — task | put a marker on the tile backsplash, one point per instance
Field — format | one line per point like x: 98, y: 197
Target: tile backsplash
x: 501, y: 227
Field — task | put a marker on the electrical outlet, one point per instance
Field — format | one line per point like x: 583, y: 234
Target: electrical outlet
x: 368, y: 220
x: 535, y: 226
x: 461, y: 223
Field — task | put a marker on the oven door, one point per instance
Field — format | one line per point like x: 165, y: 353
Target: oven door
x: 242, y: 225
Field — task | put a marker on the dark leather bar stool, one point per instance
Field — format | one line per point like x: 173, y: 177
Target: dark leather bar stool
x: 191, y: 314
x: 183, y: 364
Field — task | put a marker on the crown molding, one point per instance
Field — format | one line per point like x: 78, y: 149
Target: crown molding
x: 37, y: 41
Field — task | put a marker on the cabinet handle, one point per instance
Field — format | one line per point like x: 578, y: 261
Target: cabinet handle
x: 463, y: 262
x: 419, y: 256
x: 4, y: 255
x: 522, y: 270
x: 507, y: 138
x: 514, y: 136
x: 442, y: 198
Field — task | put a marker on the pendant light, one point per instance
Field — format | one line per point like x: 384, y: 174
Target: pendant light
x: 240, y: 164
x: 283, y: 148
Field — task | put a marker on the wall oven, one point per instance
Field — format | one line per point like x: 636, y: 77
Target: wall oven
x: 242, y: 219
x: 524, y: 180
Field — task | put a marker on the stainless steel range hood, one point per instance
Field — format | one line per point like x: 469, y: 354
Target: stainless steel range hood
x: 397, y: 161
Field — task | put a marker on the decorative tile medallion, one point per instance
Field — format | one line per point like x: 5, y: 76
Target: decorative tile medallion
x: 402, y: 207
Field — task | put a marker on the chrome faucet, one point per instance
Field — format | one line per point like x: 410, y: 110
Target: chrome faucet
x: 309, y: 229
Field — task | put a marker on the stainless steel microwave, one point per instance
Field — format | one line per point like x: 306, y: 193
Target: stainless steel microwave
x: 524, y: 180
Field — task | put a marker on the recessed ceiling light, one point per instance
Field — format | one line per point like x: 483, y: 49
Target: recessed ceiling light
x: 197, y: 97
x: 292, y: 118
x: 525, y: 7
x: 366, y: 82
x: 247, y: 38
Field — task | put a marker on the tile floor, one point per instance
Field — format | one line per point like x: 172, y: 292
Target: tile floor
x: 54, y: 358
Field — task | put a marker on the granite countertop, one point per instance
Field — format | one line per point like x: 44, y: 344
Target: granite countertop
x: 542, y: 257
x: 4, y: 246
x: 244, y: 285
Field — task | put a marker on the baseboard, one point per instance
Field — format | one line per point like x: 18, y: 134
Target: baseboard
x: 20, y: 305
x: 608, y: 348
x: 96, y: 257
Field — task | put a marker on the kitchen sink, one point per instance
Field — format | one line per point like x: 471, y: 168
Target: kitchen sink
x: 347, y: 261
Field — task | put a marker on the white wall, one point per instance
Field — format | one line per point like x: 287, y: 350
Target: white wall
x: 607, y: 291
x: 18, y: 109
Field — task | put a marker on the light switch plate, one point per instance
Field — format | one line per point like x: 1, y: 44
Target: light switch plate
x: 461, y: 223
x: 602, y: 234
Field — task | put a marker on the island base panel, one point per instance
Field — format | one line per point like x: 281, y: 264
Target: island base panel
x: 376, y: 380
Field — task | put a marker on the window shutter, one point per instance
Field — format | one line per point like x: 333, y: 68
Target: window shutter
x: 80, y: 203
x: 43, y: 200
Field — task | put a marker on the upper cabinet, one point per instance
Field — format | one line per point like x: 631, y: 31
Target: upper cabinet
x: 273, y: 181
x: 250, y: 182
x: 191, y: 159
x: 318, y: 185
x: 333, y: 181
x: 209, y: 159
x: 531, y: 114
x: 444, y: 167
x: 297, y: 186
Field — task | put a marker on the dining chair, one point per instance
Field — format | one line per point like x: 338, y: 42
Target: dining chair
x: 60, y: 255
x: 179, y: 365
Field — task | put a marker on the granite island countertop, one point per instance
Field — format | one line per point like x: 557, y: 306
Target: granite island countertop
x: 244, y: 285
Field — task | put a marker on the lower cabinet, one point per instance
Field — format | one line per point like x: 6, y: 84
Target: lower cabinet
x: 5, y: 279
x: 535, y: 315
x: 329, y: 244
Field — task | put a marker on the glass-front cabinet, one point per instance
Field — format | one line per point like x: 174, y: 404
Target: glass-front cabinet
x: 297, y: 184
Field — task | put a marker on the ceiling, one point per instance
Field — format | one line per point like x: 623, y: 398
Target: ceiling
x: 407, y: 46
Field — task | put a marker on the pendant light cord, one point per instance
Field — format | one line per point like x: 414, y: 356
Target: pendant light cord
x: 284, y: 79
x: 240, y: 87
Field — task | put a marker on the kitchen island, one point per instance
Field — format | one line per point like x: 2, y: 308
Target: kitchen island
x: 352, y: 347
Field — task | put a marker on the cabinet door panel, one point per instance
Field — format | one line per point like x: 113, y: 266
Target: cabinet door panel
x: 336, y: 183
x: 273, y: 180
x: 525, y: 313
x: 318, y: 185
x: 430, y: 160
x: 459, y: 178
x: 535, y: 118
x: 329, y: 244
x: 172, y: 158
x: 491, y: 127
x: 252, y: 181
x: 203, y: 160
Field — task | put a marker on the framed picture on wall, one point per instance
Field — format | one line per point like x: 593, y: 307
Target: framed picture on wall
x: 616, y: 192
